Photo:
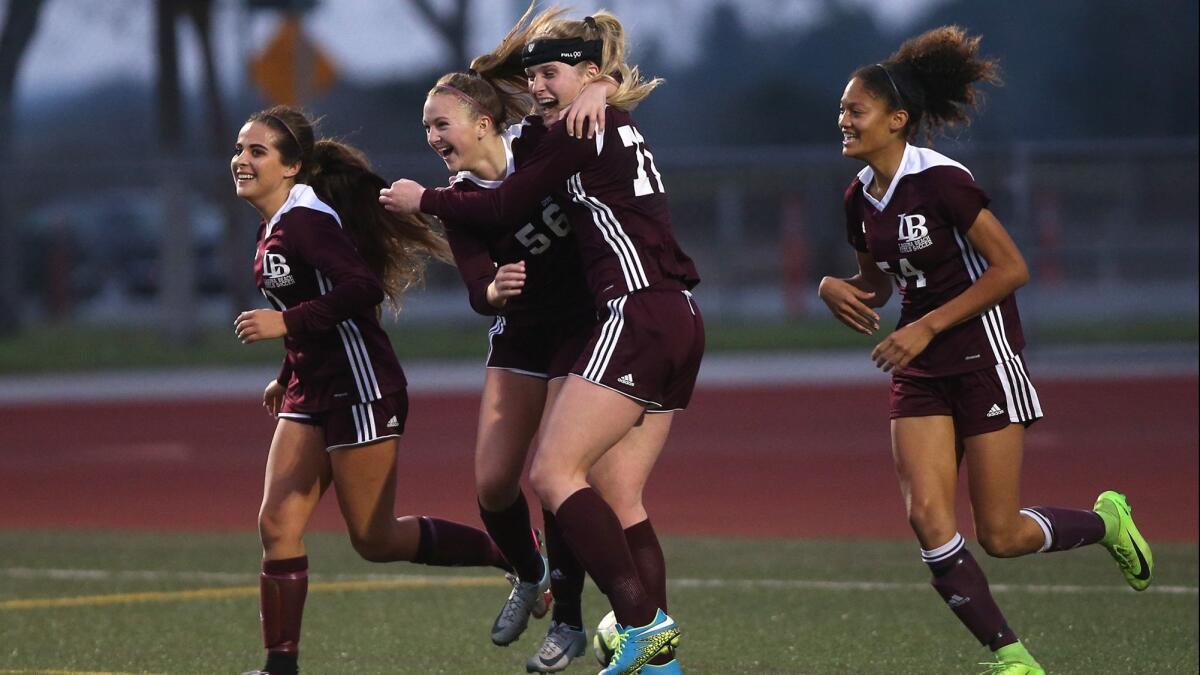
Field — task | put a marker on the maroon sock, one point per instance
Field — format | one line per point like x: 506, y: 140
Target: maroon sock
x: 566, y: 575
x: 961, y: 583
x: 648, y: 558
x: 283, y: 586
x: 1065, y: 529
x: 511, y: 531
x: 449, y: 544
x: 652, y: 569
x: 593, y: 532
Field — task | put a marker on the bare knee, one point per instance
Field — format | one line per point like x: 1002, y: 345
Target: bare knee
x: 625, y: 501
x: 277, y: 531
x: 933, y: 523
x: 496, y: 492
x: 371, y: 549
x: 1001, y: 542
x: 542, y: 480
x: 390, y: 542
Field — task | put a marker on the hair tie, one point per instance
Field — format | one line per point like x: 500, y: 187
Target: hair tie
x: 590, y: 22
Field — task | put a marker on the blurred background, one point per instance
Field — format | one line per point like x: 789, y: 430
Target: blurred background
x: 127, y: 404
x: 122, y: 242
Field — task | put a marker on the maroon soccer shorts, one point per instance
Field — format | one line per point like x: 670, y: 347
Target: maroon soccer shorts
x: 981, y: 401
x: 647, y: 346
x: 545, y: 349
x: 358, y: 424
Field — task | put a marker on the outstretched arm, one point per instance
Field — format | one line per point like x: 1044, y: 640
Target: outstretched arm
x: 489, y: 212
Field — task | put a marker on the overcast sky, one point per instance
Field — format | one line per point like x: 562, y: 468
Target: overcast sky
x: 85, y: 42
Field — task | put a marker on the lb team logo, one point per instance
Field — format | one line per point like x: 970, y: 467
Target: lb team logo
x: 913, y: 234
x: 276, y: 271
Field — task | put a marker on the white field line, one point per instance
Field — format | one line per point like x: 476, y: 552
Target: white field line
x: 347, y: 581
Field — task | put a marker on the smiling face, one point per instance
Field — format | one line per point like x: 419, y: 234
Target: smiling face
x: 866, y: 123
x: 259, y: 173
x: 555, y: 84
x: 453, y: 132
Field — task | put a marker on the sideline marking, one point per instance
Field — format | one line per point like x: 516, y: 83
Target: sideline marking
x: 341, y: 583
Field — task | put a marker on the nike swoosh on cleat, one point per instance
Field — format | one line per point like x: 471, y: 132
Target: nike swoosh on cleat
x: 1144, y: 574
x: 670, y: 622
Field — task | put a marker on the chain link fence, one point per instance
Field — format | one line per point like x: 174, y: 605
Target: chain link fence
x: 1109, y: 230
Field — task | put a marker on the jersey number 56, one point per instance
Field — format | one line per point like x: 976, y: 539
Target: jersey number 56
x: 538, y: 242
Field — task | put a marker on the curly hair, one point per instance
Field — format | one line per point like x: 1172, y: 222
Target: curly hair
x: 933, y: 76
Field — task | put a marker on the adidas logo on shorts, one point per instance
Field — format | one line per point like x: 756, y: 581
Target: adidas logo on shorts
x: 996, y: 410
x: 957, y: 600
x: 393, y: 423
x: 626, y: 380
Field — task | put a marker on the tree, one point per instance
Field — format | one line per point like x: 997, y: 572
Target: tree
x: 20, y: 24
x: 452, y: 28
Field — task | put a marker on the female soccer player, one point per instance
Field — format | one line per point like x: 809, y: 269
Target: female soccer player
x: 643, y: 356
x: 959, y: 384
x: 327, y: 256
x: 528, y: 278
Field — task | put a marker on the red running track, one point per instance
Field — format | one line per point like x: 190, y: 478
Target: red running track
x: 790, y: 461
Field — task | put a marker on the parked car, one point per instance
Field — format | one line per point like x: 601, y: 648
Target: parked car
x: 112, y: 242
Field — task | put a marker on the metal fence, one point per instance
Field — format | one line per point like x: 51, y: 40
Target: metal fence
x: 1108, y: 228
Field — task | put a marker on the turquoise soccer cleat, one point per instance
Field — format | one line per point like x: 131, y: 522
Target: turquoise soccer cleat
x: 637, y: 645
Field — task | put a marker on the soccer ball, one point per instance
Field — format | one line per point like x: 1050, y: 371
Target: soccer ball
x: 604, y: 642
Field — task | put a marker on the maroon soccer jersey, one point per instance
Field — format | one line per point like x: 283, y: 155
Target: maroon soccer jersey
x: 554, y: 282
x: 308, y: 268
x: 612, y: 194
x: 917, y: 233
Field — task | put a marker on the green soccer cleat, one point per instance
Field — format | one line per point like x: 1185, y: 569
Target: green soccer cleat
x: 1123, y: 541
x: 1002, y: 668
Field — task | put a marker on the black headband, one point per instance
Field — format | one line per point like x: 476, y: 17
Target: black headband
x: 899, y: 98
x: 567, y: 50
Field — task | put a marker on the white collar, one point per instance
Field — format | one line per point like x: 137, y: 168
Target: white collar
x: 913, y: 161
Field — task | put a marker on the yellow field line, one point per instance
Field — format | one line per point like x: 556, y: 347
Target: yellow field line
x: 56, y: 672
x: 242, y: 591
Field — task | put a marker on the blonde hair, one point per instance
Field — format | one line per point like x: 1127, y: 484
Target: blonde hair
x: 503, y: 64
x: 480, y: 95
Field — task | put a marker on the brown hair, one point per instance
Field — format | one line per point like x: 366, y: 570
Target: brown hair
x: 503, y: 63
x: 395, y: 247
x: 932, y: 76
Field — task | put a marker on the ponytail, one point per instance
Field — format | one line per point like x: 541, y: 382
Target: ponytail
x: 933, y: 76
x: 503, y: 64
x: 395, y: 247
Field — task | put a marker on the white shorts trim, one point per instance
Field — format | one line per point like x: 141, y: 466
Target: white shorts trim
x: 358, y: 444
x: 518, y: 371
x: 628, y: 396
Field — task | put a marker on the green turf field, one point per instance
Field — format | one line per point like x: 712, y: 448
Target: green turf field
x: 187, y: 603
x: 82, y: 348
